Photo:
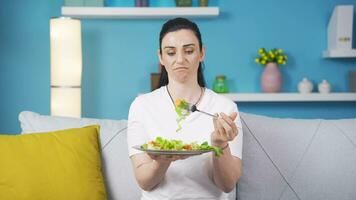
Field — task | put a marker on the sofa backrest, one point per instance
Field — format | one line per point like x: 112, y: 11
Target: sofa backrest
x: 297, y: 159
x: 117, y: 170
x: 283, y: 159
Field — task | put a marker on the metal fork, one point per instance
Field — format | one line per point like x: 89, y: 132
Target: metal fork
x: 194, y: 108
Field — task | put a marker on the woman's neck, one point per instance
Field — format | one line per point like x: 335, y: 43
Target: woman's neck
x: 189, y: 92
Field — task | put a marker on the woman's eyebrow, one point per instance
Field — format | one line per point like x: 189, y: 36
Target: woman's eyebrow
x: 172, y: 47
x: 169, y: 47
x: 188, y: 45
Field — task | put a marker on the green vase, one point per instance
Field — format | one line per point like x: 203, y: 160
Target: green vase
x: 203, y: 3
x: 183, y: 3
x: 220, y: 85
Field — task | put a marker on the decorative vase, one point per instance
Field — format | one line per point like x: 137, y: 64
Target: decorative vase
x: 203, y: 3
x: 271, y: 79
x: 324, y: 87
x: 220, y: 84
x: 141, y: 3
x: 305, y: 86
x: 184, y: 3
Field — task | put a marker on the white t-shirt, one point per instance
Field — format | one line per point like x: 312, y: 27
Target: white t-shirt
x: 153, y: 114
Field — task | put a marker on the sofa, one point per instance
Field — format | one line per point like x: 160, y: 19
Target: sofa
x: 286, y: 159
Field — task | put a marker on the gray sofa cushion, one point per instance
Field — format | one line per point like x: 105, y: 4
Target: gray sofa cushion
x: 297, y: 159
x: 117, y: 165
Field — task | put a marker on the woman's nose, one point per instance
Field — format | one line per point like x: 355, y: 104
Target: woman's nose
x: 180, y: 58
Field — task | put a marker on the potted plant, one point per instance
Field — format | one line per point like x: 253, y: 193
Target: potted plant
x: 271, y: 79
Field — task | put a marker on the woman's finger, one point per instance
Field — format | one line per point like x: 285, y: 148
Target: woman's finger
x: 152, y: 156
x: 184, y: 157
x: 217, y: 126
x: 168, y: 158
x: 215, y: 122
x: 233, y: 116
x: 220, y: 127
x: 232, y: 124
x: 234, y: 129
x: 227, y: 119
x: 227, y: 128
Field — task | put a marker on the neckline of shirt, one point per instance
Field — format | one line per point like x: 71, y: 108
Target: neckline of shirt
x: 201, y: 105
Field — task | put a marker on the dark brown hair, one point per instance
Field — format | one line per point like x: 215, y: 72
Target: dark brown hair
x: 175, y: 25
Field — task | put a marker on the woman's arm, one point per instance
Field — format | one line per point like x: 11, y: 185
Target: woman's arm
x: 226, y: 170
x: 226, y: 167
x: 148, y: 172
x: 150, y: 169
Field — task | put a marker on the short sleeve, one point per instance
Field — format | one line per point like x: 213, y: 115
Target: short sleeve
x: 236, y: 144
x: 136, y: 134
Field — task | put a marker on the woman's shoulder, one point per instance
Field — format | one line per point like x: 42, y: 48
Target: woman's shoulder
x: 219, y: 98
x: 149, y: 97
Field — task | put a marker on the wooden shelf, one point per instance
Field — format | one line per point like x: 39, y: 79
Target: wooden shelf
x: 139, y: 13
x: 291, y: 97
x: 340, y: 53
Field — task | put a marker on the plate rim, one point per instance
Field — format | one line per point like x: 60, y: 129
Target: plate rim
x: 175, y: 152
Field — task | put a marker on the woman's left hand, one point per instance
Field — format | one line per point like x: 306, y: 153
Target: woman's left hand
x: 225, y: 129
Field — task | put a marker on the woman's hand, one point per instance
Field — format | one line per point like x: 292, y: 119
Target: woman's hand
x: 166, y: 159
x: 225, y: 129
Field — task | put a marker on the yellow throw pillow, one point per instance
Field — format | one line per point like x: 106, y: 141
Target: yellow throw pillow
x: 61, y: 165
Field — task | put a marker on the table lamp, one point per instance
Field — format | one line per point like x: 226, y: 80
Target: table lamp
x: 66, y: 66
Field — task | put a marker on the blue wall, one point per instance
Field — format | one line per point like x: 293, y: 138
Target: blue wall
x: 119, y: 55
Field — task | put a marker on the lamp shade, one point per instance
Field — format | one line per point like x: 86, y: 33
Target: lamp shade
x: 66, y: 102
x: 66, y: 66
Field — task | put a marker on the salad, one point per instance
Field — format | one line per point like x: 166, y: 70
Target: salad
x: 177, y: 145
x: 182, y: 110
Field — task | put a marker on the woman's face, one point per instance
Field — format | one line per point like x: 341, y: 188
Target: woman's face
x: 181, y: 55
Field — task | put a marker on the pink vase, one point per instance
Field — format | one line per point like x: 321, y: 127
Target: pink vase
x: 271, y: 79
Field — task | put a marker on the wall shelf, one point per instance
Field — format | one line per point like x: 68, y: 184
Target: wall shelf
x: 340, y: 53
x: 139, y: 13
x: 291, y: 97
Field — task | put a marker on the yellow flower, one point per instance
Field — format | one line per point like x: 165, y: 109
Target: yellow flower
x: 273, y: 55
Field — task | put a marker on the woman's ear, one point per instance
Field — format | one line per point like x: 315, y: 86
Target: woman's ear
x: 202, y: 57
x: 159, y: 56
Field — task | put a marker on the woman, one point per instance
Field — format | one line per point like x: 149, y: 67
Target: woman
x: 204, y: 176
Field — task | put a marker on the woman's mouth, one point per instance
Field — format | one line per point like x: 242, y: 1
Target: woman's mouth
x: 180, y: 68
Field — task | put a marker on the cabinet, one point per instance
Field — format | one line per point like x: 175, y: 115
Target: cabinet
x: 340, y: 33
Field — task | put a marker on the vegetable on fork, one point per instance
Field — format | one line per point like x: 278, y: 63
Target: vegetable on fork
x: 182, y: 110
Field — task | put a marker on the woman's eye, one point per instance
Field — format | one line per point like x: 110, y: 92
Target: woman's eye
x: 170, y: 53
x: 189, y: 51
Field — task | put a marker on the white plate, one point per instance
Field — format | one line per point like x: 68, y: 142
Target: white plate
x: 171, y: 152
